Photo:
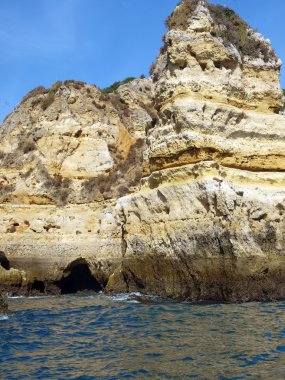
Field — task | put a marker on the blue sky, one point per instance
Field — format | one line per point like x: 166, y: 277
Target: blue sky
x: 98, y: 41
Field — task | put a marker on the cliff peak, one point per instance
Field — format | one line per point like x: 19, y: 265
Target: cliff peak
x: 210, y: 52
x: 172, y: 185
x: 222, y: 22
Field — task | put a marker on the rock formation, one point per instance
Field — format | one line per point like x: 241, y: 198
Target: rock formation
x: 172, y: 185
x: 3, y: 306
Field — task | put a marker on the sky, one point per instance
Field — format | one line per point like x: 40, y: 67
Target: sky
x: 98, y: 41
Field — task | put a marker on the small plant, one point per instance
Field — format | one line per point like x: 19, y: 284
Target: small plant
x: 51, y: 95
x: 179, y: 17
x: 233, y: 30
x: 121, y: 107
x: 98, y: 105
x: 40, y: 90
x: 104, y: 97
x: 116, y: 85
x: 14, y: 159
x: 74, y: 83
x: 48, y: 101
x: 27, y: 146
x: 229, y: 26
x: 127, y: 172
x: 6, y: 191
x: 56, y: 186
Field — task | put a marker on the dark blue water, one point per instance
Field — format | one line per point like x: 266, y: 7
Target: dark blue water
x: 102, y: 337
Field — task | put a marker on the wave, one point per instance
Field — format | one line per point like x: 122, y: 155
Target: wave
x: 3, y: 317
x: 133, y: 297
x: 125, y: 297
x: 30, y: 297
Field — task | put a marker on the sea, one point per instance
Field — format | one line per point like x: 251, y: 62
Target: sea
x: 130, y: 336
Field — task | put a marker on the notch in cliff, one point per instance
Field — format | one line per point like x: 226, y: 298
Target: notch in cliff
x: 77, y: 277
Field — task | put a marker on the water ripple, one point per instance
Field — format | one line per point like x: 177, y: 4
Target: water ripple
x: 119, y: 337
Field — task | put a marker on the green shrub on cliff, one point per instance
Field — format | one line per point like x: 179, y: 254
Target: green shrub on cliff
x: 234, y: 30
x: 116, y: 85
x: 40, y: 90
x: 178, y: 18
x: 51, y: 95
x: 49, y: 92
x: 229, y: 26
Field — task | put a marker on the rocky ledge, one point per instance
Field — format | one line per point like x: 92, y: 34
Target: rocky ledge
x: 3, y: 306
x: 172, y: 185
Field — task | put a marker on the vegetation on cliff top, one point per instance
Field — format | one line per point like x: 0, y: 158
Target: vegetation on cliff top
x: 236, y: 31
x: 229, y: 26
x: 50, y: 93
x: 40, y: 90
x: 116, y: 85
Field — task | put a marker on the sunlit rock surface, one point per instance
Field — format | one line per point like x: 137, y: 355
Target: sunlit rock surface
x: 172, y: 185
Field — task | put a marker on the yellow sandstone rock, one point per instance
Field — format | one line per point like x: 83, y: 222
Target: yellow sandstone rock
x: 173, y: 185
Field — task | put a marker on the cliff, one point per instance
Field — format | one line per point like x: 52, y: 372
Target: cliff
x: 172, y: 185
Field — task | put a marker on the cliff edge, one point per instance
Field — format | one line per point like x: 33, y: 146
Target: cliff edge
x: 172, y: 185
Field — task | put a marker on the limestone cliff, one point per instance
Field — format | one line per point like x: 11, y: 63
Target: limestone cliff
x: 172, y: 185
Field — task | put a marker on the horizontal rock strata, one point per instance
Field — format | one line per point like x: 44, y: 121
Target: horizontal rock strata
x: 173, y: 185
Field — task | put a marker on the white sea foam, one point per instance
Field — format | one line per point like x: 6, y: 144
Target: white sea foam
x: 3, y: 317
x: 28, y: 297
x: 133, y: 297
x: 125, y: 297
x: 40, y: 297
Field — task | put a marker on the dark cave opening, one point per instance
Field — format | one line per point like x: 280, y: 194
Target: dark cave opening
x: 37, y: 286
x: 77, y: 278
x: 4, y: 262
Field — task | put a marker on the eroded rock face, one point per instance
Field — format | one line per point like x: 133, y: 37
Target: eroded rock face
x: 72, y: 143
x: 172, y: 185
x: 66, y: 154
x: 211, y: 54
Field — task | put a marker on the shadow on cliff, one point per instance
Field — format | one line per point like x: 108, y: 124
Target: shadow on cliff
x: 4, y: 262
